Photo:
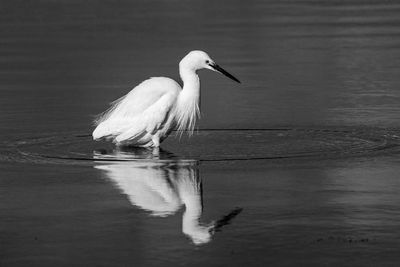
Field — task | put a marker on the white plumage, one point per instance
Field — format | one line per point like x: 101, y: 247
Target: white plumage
x: 150, y: 111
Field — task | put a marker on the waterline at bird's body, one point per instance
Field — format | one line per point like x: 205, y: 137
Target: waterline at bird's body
x: 150, y: 111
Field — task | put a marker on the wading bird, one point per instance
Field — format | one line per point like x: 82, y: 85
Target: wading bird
x: 150, y: 111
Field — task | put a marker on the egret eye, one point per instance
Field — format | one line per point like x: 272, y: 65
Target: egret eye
x: 207, y: 61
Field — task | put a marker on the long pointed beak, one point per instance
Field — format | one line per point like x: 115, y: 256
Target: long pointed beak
x: 224, y: 72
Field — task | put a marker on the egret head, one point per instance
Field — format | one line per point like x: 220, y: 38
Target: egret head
x: 197, y: 60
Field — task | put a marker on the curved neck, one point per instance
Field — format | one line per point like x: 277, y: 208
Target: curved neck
x: 191, y: 81
x: 189, y: 99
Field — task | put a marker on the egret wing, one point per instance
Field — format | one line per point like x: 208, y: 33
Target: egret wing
x: 149, y: 121
x: 138, y: 99
x: 130, y: 111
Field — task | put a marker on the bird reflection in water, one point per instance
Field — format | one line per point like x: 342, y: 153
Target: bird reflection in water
x: 160, y: 184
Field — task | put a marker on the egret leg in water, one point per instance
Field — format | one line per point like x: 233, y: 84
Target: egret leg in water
x: 150, y: 111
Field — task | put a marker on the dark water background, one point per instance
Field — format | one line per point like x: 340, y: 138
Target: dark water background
x: 302, y: 64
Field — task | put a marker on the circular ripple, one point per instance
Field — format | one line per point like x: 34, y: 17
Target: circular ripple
x: 210, y: 145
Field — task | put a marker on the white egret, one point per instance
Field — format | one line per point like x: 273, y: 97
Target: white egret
x: 150, y: 111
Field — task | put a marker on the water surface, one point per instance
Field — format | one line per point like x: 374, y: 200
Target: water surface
x: 315, y: 183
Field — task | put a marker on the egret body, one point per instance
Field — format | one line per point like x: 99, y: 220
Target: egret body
x: 150, y: 111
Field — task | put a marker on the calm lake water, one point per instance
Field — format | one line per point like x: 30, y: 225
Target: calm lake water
x: 310, y: 179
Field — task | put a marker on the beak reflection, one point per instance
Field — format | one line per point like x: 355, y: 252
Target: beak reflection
x: 162, y: 186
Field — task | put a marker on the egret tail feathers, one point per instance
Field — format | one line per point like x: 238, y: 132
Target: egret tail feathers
x: 108, y: 129
x: 114, y: 106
